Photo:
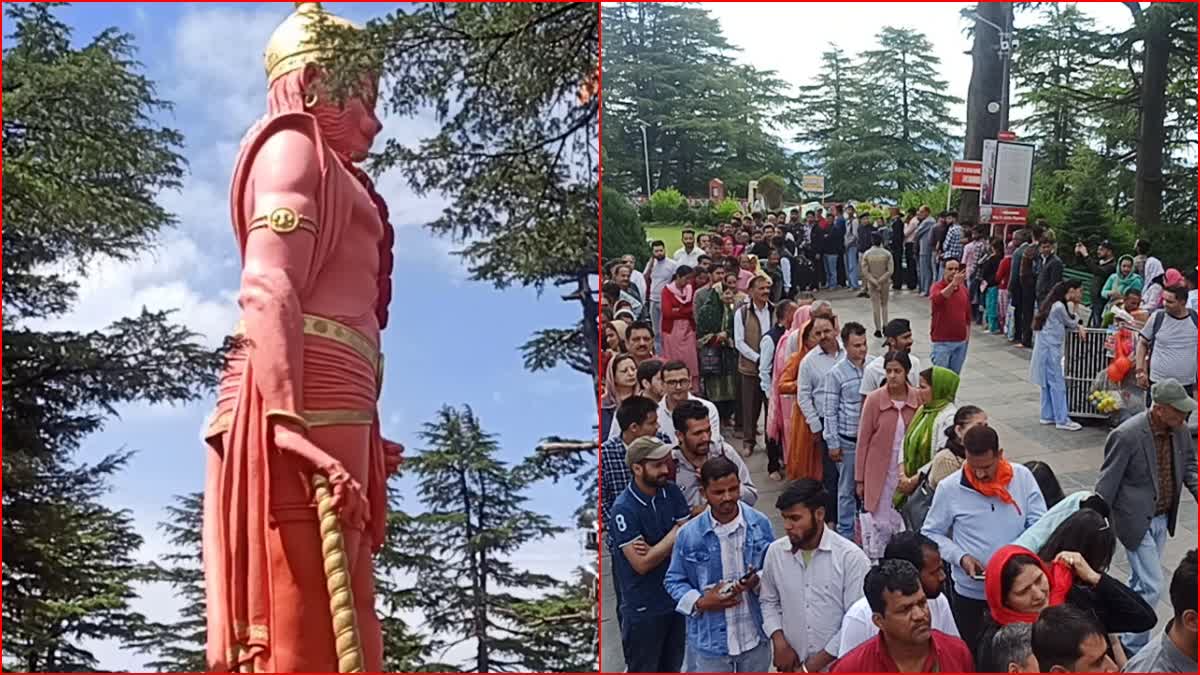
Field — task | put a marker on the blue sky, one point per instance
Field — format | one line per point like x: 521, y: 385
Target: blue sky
x: 451, y: 341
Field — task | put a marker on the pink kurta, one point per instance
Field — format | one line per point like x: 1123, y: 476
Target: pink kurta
x: 679, y: 331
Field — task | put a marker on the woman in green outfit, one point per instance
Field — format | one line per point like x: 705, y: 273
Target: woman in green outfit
x: 718, y: 357
x: 1120, y: 282
x: 939, y: 388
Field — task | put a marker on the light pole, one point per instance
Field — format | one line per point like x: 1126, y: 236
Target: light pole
x: 1005, y: 50
x: 645, y: 154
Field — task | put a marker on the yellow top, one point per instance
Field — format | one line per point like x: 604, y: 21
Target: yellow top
x: 290, y: 46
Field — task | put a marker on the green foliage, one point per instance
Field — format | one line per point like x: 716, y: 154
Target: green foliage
x: 668, y: 205
x: 83, y: 165
x: 772, y: 188
x: 934, y: 197
x: 180, y: 645
x: 516, y: 150
x: 459, y: 547
x: 870, y: 147
x: 725, y: 210
x: 622, y: 231
x: 669, y: 66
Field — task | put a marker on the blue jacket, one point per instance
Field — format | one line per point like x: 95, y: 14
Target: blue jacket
x: 696, y: 566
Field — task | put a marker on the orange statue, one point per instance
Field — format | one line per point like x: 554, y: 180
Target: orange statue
x: 295, y: 493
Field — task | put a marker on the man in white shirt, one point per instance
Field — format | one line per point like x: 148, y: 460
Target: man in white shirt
x: 810, y: 579
x: 689, y: 254
x: 810, y: 396
x: 676, y: 382
x: 897, y: 337
x: 922, y: 552
x: 750, y: 323
x: 660, y: 270
x: 635, y: 276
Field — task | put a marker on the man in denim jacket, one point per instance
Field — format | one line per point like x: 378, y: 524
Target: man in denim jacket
x: 713, y: 577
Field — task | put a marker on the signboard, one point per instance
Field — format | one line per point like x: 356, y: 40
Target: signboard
x: 1007, y: 178
x: 1004, y: 215
x: 1006, y: 136
x: 813, y: 184
x: 966, y: 174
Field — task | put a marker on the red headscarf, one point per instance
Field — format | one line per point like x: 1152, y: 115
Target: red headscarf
x: 1058, y: 574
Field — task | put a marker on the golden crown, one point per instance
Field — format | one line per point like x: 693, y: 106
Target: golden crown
x: 290, y: 46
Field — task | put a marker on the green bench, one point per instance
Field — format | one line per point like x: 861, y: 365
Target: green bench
x: 1083, y: 276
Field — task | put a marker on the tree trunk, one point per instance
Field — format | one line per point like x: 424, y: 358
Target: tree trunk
x: 987, y: 85
x: 1148, y: 181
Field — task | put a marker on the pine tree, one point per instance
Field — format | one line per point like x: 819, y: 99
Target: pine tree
x: 826, y: 112
x: 913, y: 126
x: 180, y: 645
x: 622, y: 233
x: 512, y: 86
x: 83, y: 164
x: 474, y: 518
x: 669, y: 66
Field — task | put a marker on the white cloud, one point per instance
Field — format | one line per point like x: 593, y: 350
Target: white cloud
x: 156, y: 280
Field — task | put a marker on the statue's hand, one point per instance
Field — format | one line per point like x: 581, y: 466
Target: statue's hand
x: 393, y: 456
x: 349, y: 499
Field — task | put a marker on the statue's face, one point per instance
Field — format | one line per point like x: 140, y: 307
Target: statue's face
x: 351, y: 127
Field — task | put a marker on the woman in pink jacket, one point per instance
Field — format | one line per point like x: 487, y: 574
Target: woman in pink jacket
x: 886, y: 413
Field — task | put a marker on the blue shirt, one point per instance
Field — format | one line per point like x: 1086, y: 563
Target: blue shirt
x: 842, y: 407
x: 615, y: 476
x: 636, y: 516
x: 964, y: 522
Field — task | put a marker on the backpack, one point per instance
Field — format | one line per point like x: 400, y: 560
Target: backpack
x: 1157, y: 322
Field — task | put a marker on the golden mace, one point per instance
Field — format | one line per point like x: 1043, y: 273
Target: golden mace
x: 337, y: 580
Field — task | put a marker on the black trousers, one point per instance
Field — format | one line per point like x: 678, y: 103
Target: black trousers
x: 1028, y: 296
x: 969, y: 615
x: 898, y: 269
x: 654, y: 644
x: 910, y: 265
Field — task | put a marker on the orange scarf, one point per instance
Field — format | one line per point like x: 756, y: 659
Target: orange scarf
x: 997, y: 488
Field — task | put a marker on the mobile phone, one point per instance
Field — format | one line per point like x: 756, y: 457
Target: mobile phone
x: 982, y: 576
x: 747, y: 576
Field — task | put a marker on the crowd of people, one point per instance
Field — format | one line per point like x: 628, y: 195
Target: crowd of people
x: 910, y: 543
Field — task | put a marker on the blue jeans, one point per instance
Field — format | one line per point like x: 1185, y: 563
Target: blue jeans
x: 1146, y: 575
x: 756, y: 660
x: 924, y: 272
x: 656, y: 321
x: 847, y: 499
x: 950, y: 355
x: 1054, y: 397
x: 831, y: 263
x: 852, y: 266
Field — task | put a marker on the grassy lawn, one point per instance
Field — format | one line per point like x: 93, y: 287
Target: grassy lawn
x: 668, y: 234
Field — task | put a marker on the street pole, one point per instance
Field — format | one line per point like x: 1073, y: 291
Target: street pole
x: 1006, y: 36
x: 645, y: 155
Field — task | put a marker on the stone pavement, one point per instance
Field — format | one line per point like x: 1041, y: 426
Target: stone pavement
x: 994, y: 378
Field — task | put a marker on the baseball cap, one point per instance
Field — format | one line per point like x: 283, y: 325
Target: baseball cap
x: 646, y: 448
x: 1170, y: 392
x: 896, y: 328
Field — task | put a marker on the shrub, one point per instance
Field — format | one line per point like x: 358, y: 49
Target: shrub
x: 772, y: 187
x: 621, y: 232
x: 724, y: 210
x: 665, y: 205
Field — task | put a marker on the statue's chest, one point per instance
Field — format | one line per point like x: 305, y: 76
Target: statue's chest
x: 359, y: 237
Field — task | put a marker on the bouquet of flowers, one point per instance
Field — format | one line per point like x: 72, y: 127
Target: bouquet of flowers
x: 1107, y: 402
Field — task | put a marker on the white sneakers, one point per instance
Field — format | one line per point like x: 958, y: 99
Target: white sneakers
x: 1069, y: 426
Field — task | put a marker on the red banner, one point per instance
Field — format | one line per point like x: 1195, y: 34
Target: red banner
x: 966, y: 174
x: 1004, y: 215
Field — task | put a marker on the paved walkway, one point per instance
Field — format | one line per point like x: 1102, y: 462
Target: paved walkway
x: 995, y: 378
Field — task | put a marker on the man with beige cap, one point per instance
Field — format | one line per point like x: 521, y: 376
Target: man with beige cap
x: 1147, y: 461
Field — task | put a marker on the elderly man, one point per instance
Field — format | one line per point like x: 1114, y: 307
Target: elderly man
x: 1147, y: 462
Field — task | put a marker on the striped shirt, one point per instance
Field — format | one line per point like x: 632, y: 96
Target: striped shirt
x: 615, y: 475
x: 842, y: 406
x: 954, y: 244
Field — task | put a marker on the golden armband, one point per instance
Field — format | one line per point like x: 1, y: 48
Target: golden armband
x: 283, y: 220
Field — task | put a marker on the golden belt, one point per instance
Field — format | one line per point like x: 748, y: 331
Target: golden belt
x: 331, y: 330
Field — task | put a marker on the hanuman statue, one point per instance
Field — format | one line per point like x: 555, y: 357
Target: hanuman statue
x: 295, y: 488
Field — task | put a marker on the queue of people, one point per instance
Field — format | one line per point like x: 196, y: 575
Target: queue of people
x: 910, y: 542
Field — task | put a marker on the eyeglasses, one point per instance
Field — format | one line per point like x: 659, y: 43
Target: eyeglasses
x: 678, y: 383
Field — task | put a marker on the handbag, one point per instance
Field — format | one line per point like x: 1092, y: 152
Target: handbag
x: 710, y: 360
x: 916, y: 507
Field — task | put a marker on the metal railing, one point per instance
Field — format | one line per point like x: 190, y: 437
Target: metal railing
x: 1082, y: 361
